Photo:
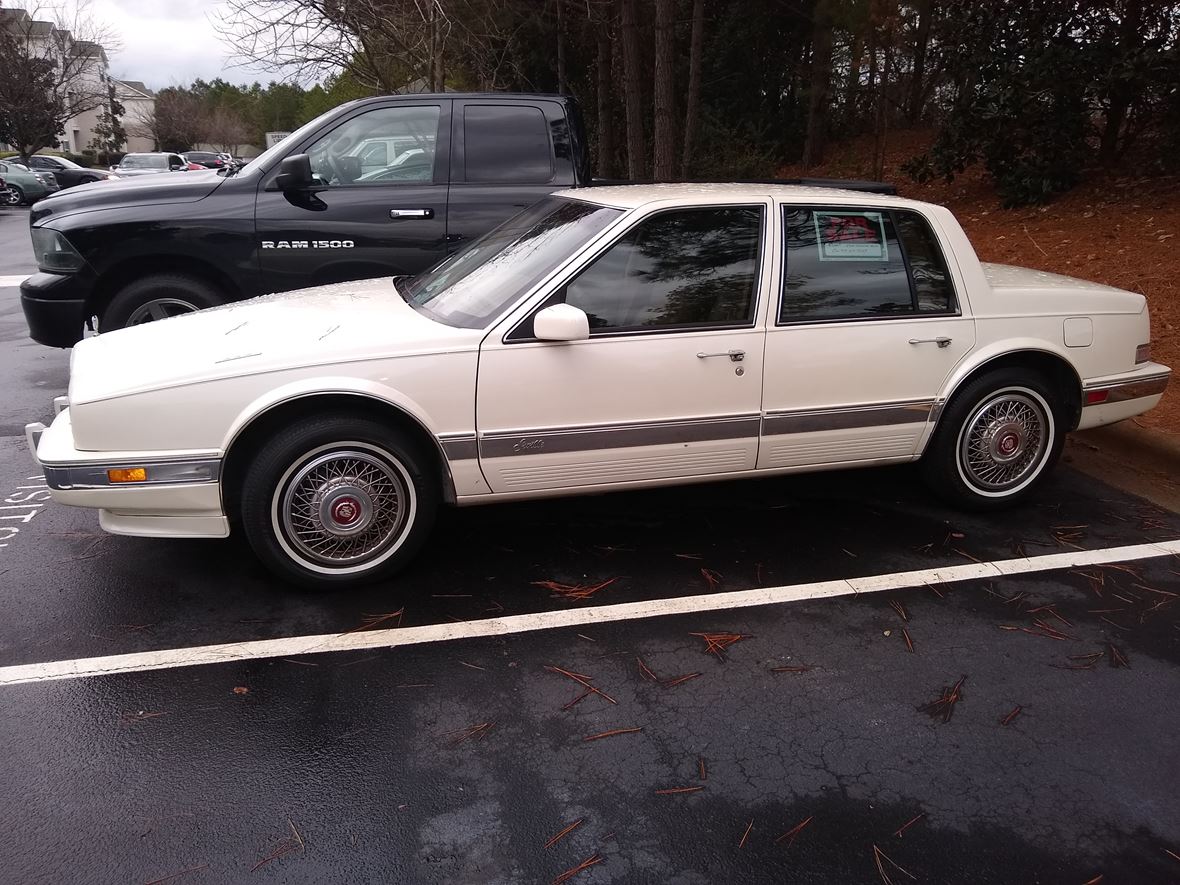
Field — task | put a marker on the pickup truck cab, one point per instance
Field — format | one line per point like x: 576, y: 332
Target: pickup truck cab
x: 378, y: 187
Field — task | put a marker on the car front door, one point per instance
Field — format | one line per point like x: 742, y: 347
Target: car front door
x: 868, y: 325
x: 668, y: 383
x: 355, y: 223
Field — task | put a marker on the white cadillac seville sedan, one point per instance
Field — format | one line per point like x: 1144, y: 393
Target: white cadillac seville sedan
x: 606, y: 338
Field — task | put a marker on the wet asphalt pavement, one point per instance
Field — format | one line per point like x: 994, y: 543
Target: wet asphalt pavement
x: 798, y: 754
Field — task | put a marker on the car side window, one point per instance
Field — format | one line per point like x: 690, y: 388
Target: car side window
x: 503, y: 143
x: 685, y: 268
x: 364, y: 150
x: 844, y: 263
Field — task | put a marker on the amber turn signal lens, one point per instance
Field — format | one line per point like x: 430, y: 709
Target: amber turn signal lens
x: 127, y: 474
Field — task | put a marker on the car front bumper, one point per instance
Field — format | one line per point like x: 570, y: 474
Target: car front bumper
x: 1118, y: 397
x: 55, y: 307
x: 179, y: 497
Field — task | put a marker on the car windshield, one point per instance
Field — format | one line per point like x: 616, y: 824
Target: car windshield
x: 144, y: 161
x: 476, y: 284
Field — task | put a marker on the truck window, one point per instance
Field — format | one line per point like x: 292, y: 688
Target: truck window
x: 502, y: 143
x: 380, y: 147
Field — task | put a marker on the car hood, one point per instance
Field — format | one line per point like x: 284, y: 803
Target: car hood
x: 130, y: 191
x: 341, y: 323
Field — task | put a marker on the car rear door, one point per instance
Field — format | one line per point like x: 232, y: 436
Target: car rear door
x: 506, y: 154
x: 868, y: 325
x: 360, y: 223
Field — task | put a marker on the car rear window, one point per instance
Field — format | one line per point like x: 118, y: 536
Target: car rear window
x: 504, y: 143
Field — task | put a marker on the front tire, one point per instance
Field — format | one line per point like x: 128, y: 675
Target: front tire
x: 12, y: 196
x: 997, y: 440
x: 338, y: 500
x: 158, y: 297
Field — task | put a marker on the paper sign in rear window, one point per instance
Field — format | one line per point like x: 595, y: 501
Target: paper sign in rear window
x: 850, y: 236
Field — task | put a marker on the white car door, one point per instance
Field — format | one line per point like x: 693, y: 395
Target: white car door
x: 668, y: 384
x: 868, y: 326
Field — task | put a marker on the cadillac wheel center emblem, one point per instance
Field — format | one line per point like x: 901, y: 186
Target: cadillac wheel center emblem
x: 346, y: 510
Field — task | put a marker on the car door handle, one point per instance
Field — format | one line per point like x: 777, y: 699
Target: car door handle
x: 941, y: 341
x: 734, y: 355
x: 411, y: 213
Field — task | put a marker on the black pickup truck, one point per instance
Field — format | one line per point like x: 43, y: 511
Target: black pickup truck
x: 380, y: 186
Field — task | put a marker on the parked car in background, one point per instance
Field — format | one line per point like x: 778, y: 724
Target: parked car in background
x: 207, y: 159
x: 25, y: 185
x: 607, y: 338
x: 300, y: 214
x: 133, y: 165
x: 67, y: 172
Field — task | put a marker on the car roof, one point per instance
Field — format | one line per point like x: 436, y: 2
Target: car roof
x: 631, y: 196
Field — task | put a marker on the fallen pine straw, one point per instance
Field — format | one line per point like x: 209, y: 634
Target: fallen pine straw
x: 944, y: 705
x: 564, y: 832
x: 612, y: 733
x: 673, y: 790
x: 909, y: 823
x: 746, y: 834
x: 794, y: 831
x: 573, y: 591
x: 178, y: 875
x: 292, y: 843
x: 878, y: 856
x: 583, y: 680
x: 479, y: 732
x: 573, y: 871
x: 1007, y: 720
x: 717, y: 643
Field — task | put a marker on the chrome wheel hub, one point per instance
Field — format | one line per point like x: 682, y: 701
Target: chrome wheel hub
x: 1003, y: 442
x: 343, y: 507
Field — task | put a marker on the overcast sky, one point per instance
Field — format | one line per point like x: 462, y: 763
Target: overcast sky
x: 169, y: 43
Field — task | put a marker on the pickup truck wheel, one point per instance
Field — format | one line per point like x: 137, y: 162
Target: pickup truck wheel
x: 338, y: 500
x: 156, y: 298
x: 996, y: 441
x: 12, y: 196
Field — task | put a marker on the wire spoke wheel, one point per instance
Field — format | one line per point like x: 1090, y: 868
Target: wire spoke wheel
x: 342, y: 508
x: 1004, y: 441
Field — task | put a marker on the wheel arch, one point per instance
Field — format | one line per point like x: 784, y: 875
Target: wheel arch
x: 1058, y: 370
x: 139, y: 266
x: 249, y: 434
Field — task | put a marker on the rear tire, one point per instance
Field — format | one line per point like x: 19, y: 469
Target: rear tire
x: 12, y: 195
x: 338, y: 500
x: 158, y: 297
x: 996, y: 441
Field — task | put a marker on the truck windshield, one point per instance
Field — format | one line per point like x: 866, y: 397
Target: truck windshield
x: 478, y: 283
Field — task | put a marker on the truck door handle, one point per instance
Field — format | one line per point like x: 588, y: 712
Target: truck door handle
x: 734, y: 355
x: 411, y: 213
x: 941, y: 341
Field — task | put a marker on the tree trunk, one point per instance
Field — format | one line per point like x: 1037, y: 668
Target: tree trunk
x: 1121, y: 96
x: 696, y: 46
x: 664, y: 152
x: 921, y: 45
x: 606, y: 127
x: 633, y: 90
x: 852, y: 86
x: 562, y: 85
x: 820, y: 81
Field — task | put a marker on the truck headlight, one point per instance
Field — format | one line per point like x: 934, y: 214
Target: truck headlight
x: 53, y: 251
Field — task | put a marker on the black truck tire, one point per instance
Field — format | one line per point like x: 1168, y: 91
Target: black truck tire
x: 158, y: 297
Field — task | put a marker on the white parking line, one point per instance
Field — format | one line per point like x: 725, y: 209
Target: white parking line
x: 602, y: 614
x: 13, y: 281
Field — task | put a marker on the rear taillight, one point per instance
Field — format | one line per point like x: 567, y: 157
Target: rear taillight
x: 1143, y: 354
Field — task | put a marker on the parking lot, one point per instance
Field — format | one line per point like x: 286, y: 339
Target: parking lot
x: 831, y: 678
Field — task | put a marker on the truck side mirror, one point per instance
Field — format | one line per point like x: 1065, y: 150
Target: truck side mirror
x: 295, y: 173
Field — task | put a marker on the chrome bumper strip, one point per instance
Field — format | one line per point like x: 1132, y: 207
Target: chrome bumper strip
x: 1136, y: 388
x: 618, y: 436
x: 159, y: 473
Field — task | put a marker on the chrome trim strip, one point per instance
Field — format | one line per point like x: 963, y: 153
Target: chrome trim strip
x: 459, y: 446
x: 618, y: 436
x: 33, y: 433
x: 60, y: 404
x: 814, y: 420
x: 64, y: 477
x: 1135, y: 388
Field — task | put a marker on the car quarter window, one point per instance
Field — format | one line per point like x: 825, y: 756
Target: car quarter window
x: 683, y: 268
x: 844, y: 263
x: 505, y: 143
x: 379, y: 147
